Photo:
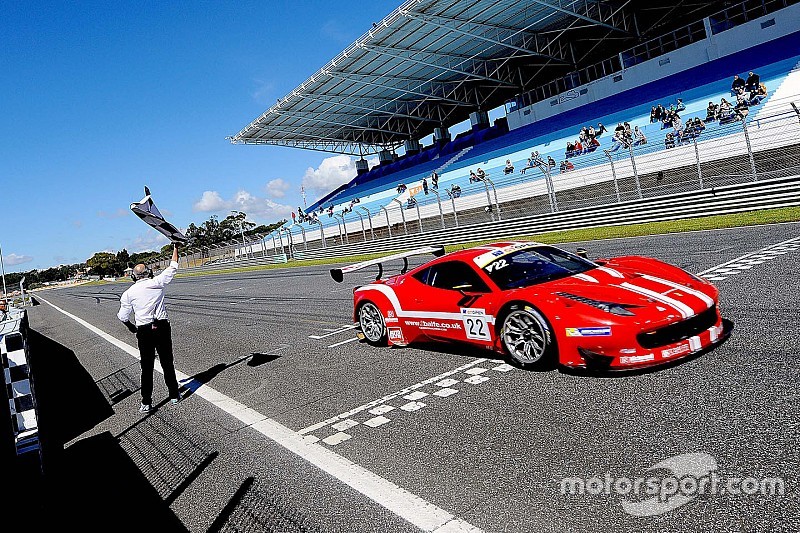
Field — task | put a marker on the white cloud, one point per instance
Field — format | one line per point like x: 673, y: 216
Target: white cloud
x: 332, y: 172
x: 277, y: 188
x: 151, y: 240
x: 210, y: 201
x: 16, y: 259
x: 255, y: 207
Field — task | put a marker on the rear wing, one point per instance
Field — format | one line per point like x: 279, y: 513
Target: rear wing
x: 338, y: 273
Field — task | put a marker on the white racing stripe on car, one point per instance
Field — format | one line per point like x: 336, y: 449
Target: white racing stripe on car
x: 586, y: 277
x: 400, y: 312
x: 408, y: 506
x: 688, y: 290
x: 611, y: 272
x: 682, y: 308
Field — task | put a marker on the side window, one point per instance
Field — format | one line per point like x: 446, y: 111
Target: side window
x: 454, y: 275
x: 422, y: 275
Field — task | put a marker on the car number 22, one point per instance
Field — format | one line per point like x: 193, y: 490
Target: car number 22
x: 476, y: 327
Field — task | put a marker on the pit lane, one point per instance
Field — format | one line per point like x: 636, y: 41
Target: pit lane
x: 492, y: 452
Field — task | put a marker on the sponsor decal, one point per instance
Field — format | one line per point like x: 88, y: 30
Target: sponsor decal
x: 631, y: 359
x: 476, y: 326
x: 567, y: 96
x: 392, y: 320
x: 396, y: 335
x: 603, y: 331
x: 672, y: 352
x: 390, y: 314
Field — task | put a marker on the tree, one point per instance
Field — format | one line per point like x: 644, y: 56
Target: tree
x: 104, y: 264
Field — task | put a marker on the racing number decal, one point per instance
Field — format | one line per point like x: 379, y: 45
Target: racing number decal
x: 475, y: 324
x: 497, y: 265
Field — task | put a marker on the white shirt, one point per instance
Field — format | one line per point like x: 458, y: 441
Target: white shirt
x: 146, y: 298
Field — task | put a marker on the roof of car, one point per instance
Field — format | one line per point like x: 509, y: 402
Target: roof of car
x: 502, y: 247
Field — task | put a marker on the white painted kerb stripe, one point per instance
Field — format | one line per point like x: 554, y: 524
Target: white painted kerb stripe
x: 399, y: 501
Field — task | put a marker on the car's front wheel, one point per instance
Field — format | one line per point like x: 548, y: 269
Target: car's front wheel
x: 527, y: 338
x: 372, y: 325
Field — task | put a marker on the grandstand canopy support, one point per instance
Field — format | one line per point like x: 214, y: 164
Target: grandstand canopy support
x: 430, y: 63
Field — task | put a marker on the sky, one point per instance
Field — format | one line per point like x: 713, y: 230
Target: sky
x: 100, y: 99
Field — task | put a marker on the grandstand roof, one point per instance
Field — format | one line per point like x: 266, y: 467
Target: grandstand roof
x: 431, y: 63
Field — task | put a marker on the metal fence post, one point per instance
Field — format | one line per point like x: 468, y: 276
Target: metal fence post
x: 496, y: 203
x: 419, y: 217
x: 341, y: 235
x: 453, y: 201
x: 303, y: 233
x: 290, y: 240
x: 697, y: 159
x: 488, y: 198
x: 439, y: 202
x: 749, y: 149
x: 614, y: 176
x: 402, y: 215
x: 388, y: 224
x: 635, y: 173
x: 274, y: 247
x: 363, y: 228
x: 369, y: 219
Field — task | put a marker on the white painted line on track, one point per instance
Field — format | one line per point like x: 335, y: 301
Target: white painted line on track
x: 760, y: 252
x: 381, y: 401
x: 354, y: 339
x: 408, y: 506
x: 343, y: 329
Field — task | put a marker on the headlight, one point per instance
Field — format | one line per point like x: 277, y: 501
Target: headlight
x: 608, y: 307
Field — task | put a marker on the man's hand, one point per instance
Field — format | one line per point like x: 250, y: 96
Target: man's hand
x: 175, y: 253
x: 131, y: 327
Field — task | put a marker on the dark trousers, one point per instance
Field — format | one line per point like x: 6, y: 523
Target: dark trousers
x: 151, y: 338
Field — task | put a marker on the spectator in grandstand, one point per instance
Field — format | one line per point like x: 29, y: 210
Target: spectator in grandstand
x: 752, y: 82
x: 578, y: 147
x: 725, y: 109
x: 592, y: 145
x: 435, y: 180
x: 738, y: 85
x: 638, y: 136
x: 741, y: 109
x: 660, y: 112
x: 600, y: 129
x: 425, y: 185
x: 592, y: 132
x: 551, y: 163
x: 566, y: 166
x: 3, y: 310
x: 145, y: 300
x: 481, y: 174
x: 653, y: 115
x: 294, y: 217
x: 619, y: 129
x: 330, y: 211
x: 509, y: 167
x: 454, y: 191
x: 679, y: 105
x: 411, y: 202
x: 473, y: 177
x: 627, y: 132
x: 757, y: 94
x: 617, y: 142
x: 537, y: 159
x: 711, y: 112
x: 669, y: 140
x: 529, y: 165
x: 570, y: 149
x: 699, y: 126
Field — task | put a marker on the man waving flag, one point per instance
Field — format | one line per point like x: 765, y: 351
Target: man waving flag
x: 149, y: 213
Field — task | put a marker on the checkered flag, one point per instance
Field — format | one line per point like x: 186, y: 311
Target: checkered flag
x: 147, y: 211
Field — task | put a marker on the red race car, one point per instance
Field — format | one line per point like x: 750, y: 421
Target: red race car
x: 540, y: 305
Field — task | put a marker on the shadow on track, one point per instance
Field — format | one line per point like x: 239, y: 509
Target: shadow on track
x: 255, y: 359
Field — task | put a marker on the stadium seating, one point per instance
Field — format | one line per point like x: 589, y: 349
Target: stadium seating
x: 489, y: 149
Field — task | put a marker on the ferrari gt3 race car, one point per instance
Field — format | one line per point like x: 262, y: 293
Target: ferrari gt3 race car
x: 541, y: 306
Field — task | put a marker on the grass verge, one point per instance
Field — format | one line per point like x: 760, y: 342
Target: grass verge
x: 734, y: 220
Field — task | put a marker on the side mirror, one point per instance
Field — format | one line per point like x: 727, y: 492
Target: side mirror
x: 581, y: 252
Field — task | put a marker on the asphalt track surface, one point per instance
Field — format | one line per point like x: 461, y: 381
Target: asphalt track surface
x: 493, y: 453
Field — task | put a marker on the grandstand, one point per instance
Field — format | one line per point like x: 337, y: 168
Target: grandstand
x: 434, y: 63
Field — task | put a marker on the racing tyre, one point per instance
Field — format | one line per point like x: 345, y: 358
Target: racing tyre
x: 528, y: 339
x: 372, y: 325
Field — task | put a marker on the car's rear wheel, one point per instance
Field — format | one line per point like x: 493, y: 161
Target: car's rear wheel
x: 527, y: 338
x: 372, y: 325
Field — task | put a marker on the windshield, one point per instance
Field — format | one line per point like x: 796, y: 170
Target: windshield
x: 534, y: 265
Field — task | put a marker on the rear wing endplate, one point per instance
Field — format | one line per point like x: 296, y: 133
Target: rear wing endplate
x: 338, y: 273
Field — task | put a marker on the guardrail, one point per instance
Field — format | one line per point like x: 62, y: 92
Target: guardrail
x: 749, y: 196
